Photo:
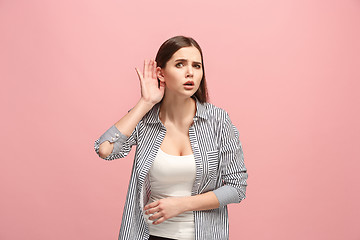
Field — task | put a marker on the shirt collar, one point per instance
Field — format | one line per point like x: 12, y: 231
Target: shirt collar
x: 153, y: 115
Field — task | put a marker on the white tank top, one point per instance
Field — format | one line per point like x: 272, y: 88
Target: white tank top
x: 172, y: 176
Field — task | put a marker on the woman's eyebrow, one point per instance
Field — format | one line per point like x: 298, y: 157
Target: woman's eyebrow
x: 185, y: 60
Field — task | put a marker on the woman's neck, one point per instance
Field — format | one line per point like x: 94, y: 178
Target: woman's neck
x: 178, y: 111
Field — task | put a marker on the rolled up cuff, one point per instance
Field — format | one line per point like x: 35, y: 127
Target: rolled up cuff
x: 112, y: 135
x: 226, y: 194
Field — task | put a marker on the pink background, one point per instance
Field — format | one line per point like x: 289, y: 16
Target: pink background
x: 287, y: 72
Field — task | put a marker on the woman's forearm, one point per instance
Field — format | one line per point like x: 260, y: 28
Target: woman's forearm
x: 204, y: 201
x: 126, y: 125
x: 166, y: 208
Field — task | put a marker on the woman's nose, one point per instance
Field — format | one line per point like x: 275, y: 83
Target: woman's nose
x: 190, y: 71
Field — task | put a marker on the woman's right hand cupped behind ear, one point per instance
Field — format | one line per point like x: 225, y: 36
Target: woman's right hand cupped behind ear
x: 150, y: 91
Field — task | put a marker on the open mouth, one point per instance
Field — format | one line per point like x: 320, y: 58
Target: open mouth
x: 189, y: 83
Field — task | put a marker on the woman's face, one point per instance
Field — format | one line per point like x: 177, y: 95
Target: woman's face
x: 183, y: 72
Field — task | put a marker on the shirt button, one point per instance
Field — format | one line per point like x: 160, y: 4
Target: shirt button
x: 116, y: 134
x: 113, y: 139
x: 195, y: 118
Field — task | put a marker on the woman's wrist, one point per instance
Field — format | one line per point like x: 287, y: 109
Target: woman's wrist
x: 204, y: 201
x: 145, y: 104
x: 186, y: 203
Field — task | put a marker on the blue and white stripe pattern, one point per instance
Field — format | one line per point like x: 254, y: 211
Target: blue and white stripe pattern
x: 219, y: 168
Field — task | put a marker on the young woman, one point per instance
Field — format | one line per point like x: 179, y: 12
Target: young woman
x: 188, y: 162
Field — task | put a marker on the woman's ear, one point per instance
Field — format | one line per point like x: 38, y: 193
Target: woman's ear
x: 160, y: 74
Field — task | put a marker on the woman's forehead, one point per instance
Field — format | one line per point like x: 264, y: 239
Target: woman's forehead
x: 187, y: 53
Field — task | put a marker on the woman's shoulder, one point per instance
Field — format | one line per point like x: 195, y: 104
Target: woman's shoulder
x: 213, y: 111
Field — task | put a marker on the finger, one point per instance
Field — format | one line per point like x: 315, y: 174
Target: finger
x: 160, y: 220
x: 151, y: 205
x: 145, y: 68
x: 138, y: 73
x: 154, y: 71
x: 152, y: 210
x: 148, y: 69
x: 151, y: 68
x: 155, y: 216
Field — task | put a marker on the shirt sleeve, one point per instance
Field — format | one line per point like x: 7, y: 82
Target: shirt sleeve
x: 233, y: 170
x: 122, y: 143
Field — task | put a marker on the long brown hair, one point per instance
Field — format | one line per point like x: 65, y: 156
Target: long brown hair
x: 169, y: 47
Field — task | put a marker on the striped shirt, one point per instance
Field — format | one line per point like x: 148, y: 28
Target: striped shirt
x: 219, y: 168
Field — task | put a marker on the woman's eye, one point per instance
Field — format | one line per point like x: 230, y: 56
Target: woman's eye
x: 197, y: 66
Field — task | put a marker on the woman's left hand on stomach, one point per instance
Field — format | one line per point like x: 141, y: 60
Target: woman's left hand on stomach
x: 165, y: 208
